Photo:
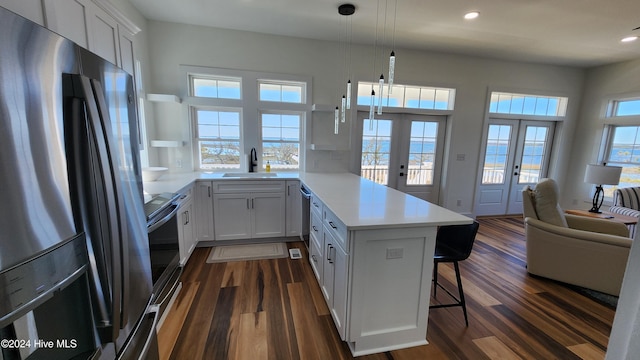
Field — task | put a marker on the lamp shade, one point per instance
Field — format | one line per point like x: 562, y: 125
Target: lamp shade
x: 602, y: 174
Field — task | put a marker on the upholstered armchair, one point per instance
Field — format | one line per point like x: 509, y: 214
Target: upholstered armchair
x: 626, y: 201
x: 578, y: 250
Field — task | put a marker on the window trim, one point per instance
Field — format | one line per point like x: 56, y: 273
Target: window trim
x: 261, y: 163
x: 197, y: 139
x: 251, y: 133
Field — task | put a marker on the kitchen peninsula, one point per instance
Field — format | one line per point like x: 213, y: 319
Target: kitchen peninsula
x: 371, y: 249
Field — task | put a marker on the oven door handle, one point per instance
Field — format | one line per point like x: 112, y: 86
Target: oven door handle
x: 164, y: 220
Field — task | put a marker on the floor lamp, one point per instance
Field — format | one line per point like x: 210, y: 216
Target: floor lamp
x: 601, y: 175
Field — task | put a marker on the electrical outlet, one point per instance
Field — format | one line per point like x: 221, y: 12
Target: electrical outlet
x: 397, y: 253
x: 179, y: 163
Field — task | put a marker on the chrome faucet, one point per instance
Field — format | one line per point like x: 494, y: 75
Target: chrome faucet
x: 253, y: 160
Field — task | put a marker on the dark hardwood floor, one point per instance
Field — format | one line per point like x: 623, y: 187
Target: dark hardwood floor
x: 273, y: 309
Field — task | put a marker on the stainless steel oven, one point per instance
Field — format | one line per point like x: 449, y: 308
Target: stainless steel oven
x: 164, y: 247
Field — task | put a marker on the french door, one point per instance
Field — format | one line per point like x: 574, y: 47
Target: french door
x: 402, y: 151
x: 516, y: 154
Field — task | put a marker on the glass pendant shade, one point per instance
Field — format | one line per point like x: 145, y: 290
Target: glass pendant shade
x: 392, y: 69
x: 371, y: 106
x: 380, y: 88
x: 349, y: 94
x: 336, y: 121
x: 343, y: 109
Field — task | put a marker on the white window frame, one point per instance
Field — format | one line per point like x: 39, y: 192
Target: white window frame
x: 262, y: 162
x: 251, y: 105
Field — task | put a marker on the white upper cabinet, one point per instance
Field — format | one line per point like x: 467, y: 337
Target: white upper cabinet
x: 30, y: 9
x: 70, y: 18
x: 104, y: 38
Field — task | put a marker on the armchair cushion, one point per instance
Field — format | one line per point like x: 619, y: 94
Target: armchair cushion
x: 602, y: 226
x: 546, y: 203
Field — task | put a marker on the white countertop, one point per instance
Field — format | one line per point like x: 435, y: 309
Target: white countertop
x: 361, y: 203
x: 358, y: 202
x: 174, y: 182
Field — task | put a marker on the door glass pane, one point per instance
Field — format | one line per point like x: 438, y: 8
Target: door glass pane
x: 422, y: 151
x: 376, y: 147
x: 535, y: 145
x: 496, y: 155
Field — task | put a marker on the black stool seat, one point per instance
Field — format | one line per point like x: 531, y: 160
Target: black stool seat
x: 453, y: 244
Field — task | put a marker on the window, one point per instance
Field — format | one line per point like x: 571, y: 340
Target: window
x: 422, y: 153
x: 522, y: 104
x: 624, y: 150
x: 216, y: 87
x: 281, y: 140
x: 628, y: 107
x: 218, y: 138
x: 233, y: 111
x: 404, y: 96
x: 496, y: 154
x: 376, y: 149
x: 281, y: 91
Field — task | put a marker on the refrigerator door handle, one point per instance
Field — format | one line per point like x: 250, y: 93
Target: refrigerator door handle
x: 102, y: 107
x: 107, y: 163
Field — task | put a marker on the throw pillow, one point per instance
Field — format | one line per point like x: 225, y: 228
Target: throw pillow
x: 546, y: 203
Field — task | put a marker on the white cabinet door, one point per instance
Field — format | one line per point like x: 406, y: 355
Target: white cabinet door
x: 70, y: 18
x: 186, y: 231
x: 104, y: 39
x: 204, y: 211
x: 315, y: 258
x: 340, y: 274
x: 328, y: 268
x: 127, y: 51
x: 30, y: 9
x: 268, y: 215
x: 334, y: 280
x: 294, y: 208
x: 232, y: 216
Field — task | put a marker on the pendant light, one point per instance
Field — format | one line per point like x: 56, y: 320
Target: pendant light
x: 345, y: 102
x: 392, y: 57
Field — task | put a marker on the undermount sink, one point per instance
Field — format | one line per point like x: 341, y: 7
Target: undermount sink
x: 250, y: 174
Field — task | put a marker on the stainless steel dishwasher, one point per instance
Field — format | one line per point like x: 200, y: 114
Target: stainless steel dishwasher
x: 306, y: 196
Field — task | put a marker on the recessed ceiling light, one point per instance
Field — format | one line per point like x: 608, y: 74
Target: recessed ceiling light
x: 471, y: 15
x: 629, y: 39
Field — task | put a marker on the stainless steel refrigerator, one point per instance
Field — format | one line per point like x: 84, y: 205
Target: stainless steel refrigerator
x: 75, y: 275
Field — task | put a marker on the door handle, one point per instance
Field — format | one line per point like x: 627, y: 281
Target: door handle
x: 515, y: 173
x: 401, y: 174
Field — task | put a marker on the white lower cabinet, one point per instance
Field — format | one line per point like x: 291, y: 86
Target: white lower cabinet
x: 186, y: 231
x: 334, y: 280
x: 252, y: 215
x: 186, y: 225
x: 294, y: 208
x: 204, y: 211
x: 376, y: 281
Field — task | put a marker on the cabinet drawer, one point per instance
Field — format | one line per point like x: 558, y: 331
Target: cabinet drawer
x: 315, y: 230
x: 316, y: 205
x: 336, y: 228
x: 315, y: 259
x: 240, y: 187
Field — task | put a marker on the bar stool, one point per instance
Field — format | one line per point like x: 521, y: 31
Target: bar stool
x: 453, y: 244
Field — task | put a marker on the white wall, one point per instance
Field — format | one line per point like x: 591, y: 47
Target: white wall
x: 174, y: 44
x: 601, y: 83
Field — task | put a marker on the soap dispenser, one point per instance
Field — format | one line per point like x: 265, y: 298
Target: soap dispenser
x: 268, y: 167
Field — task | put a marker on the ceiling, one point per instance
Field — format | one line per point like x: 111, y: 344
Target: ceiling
x: 581, y: 33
